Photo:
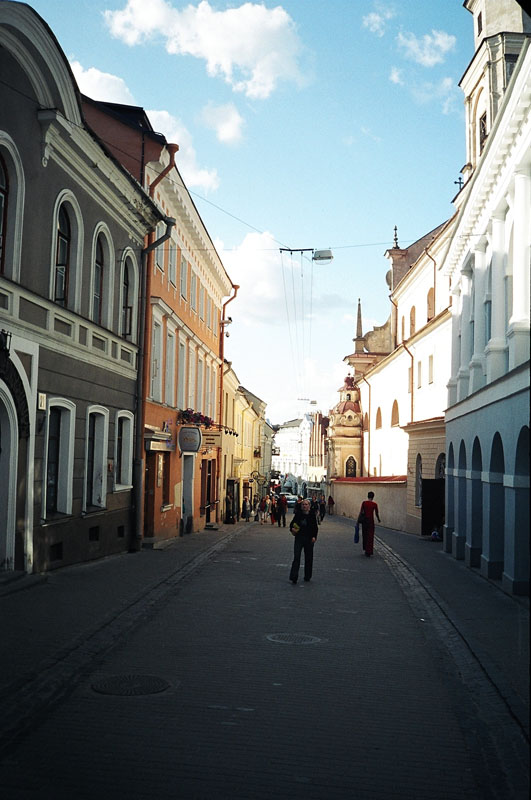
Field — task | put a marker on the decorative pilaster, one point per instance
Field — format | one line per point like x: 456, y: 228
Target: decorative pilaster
x: 477, y: 362
x: 496, y: 350
x: 518, y: 332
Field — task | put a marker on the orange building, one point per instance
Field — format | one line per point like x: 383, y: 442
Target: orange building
x: 175, y: 311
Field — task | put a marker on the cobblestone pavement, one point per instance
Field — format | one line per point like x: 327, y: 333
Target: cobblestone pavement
x: 199, y: 671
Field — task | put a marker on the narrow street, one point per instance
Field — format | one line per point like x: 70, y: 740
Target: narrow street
x: 220, y: 679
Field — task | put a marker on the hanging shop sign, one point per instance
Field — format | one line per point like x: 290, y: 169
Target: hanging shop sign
x: 211, y: 439
x: 189, y: 439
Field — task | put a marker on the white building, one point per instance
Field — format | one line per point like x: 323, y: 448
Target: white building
x: 487, y: 421
x: 291, y: 450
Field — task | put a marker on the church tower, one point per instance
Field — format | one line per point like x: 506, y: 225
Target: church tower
x: 500, y: 29
x: 345, y: 433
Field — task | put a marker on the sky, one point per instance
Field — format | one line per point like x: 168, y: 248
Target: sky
x: 303, y: 125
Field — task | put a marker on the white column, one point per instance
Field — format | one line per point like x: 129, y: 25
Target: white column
x: 463, y: 375
x: 477, y: 363
x: 497, y: 347
x: 518, y: 333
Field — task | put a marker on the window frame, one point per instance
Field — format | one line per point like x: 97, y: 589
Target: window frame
x: 123, y: 451
x: 99, y: 461
x: 65, y: 455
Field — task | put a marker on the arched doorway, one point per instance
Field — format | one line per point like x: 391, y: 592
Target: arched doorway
x: 474, y: 544
x: 494, y: 543
x: 8, y: 483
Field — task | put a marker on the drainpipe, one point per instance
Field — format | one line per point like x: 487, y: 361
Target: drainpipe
x: 221, y: 375
x: 369, y: 436
x: 138, y: 477
x: 412, y: 377
x: 172, y: 149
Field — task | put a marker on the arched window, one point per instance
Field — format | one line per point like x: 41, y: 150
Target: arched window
x: 440, y: 466
x: 379, y: 418
x: 394, y: 414
x: 430, y: 304
x: 123, y: 452
x: 59, y: 457
x: 4, y: 192
x: 412, y: 321
x: 418, y: 481
x: 366, y: 422
x: 350, y: 467
x: 62, y: 258
x: 96, y: 442
x: 97, y: 282
x: 127, y: 308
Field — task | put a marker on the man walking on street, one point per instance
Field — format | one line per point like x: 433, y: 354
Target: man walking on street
x: 304, y: 527
x: 282, y: 505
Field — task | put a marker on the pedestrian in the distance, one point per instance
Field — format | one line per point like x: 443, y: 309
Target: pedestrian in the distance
x: 322, y: 508
x: 305, y: 529
x: 331, y: 505
x: 282, y: 504
x: 366, y: 519
x: 246, y: 509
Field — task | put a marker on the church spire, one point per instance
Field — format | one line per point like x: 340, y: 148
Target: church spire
x: 359, y: 331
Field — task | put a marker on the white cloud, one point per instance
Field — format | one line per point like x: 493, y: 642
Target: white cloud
x: 396, y: 76
x: 252, y: 47
x: 101, y: 85
x: 445, y: 92
x: 186, y: 159
x: 376, y: 20
x: 428, y: 51
x: 225, y: 120
x: 370, y: 135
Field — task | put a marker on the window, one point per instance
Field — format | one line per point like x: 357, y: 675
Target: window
x: 127, y: 308
x: 123, y: 456
x: 412, y: 321
x: 482, y: 131
x: 191, y: 378
x: 394, y: 414
x: 172, y: 264
x: 430, y: 369
x: 379, y: 418
x: 208, y: 407
x: 409, y: 379
x: 488, y: 305
x: 59, y: 457
x: 419, y: 374
x: 184, y: 277
x: 213, y: 393
x: 193, y: 291
x: 181, y: 379
x: 200, y: 405
x: 159, y: 251
x: 169, y: 389
x: 430, y: 304
x: 156, y: 362
x: 209, y: 313
x: 62, y: 258
x: 4, y: 191
x: 52, y: 459
x: 97, y: 288
x: 202, y: 303
x: 480, y: 23
x: 96, y: 457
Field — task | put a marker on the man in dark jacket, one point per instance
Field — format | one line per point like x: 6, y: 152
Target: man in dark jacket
x: 305, y: 529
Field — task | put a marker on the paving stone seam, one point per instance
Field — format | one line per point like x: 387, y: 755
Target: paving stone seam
x: 500, y: 736
x: 27, y: 700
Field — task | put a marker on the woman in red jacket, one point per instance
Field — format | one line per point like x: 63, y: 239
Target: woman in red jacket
x: 366, y: 518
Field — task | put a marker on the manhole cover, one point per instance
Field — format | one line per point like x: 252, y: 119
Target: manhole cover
x: 130, y: 685
x: 293, y: 638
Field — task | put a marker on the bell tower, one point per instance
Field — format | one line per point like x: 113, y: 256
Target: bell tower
x: 500, y: 29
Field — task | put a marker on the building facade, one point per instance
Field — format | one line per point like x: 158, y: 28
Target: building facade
x: 487, y: 420
x: 73, y: 224
x: 186, y: 284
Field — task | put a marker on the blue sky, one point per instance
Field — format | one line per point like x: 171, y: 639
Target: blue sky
x: 302, y: 124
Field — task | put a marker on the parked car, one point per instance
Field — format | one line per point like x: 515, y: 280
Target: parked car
x: 291, y: 499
